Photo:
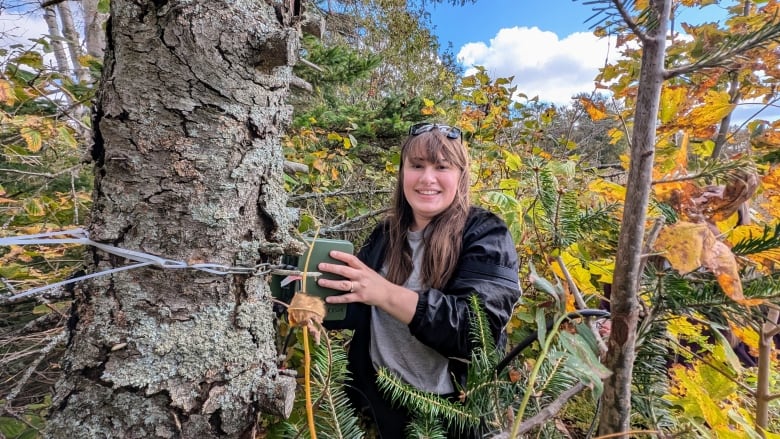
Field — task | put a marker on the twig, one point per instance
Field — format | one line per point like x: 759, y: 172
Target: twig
x: 41, y: 174
x: 355, y: 220
x: 26, y: 376
x: 335, y: 194
x: 550, y: 410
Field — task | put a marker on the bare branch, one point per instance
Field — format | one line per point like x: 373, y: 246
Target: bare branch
x: 295, y: 167
x: 355, y: 220
x: 335, y: 194
x: 546, y: 413
x: 582, y: 305
x: 41, y: 174
x: 57, y: 339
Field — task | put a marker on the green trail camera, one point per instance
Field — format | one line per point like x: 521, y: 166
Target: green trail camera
x: 283, y: 287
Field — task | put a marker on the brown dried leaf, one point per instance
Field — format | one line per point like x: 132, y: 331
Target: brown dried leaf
x: 723, y: 264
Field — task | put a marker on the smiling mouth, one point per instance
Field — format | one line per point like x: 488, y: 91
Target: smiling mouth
x: 428, y: 192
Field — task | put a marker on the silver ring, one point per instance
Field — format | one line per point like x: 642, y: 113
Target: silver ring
x: 351, y: 286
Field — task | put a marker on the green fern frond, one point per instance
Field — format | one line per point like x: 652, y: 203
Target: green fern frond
x: 767, y: 287
x: 423, y: 402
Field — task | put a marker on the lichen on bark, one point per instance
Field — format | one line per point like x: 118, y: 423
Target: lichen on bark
x: 188, y: 166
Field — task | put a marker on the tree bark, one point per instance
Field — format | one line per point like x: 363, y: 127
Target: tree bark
x: 72, y: 38
x: 50, y: 17
x: 188, y: 166
x: 624, y: 304
x: 94, y: 34
x: 763, y: 385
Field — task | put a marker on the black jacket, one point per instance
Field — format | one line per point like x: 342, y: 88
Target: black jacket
x: 487, y: 267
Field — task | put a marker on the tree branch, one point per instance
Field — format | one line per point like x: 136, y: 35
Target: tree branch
x: 57, y: 339
x: 41, y: 174
x: 629, y: 21
x: 47, y: 3
x: 725, y: 56
x: 546, y: 413
x: 355, y: 220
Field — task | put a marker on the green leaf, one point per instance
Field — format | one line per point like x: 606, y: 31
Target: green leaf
x: 30, y: 58
x: 11, y: 428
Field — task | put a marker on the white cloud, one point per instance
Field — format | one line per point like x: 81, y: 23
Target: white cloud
x: 542, y: 64
x: 19, y: 28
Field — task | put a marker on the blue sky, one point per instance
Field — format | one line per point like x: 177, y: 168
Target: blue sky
x: 547, y: 46
x: 480, y: 21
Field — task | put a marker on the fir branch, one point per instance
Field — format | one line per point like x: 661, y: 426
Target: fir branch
x: 424, y: 402
x: 337, y: 418
x: 769, y: 240
x: 712, y: 169
x: 480, y: 327
x: 733, y: 47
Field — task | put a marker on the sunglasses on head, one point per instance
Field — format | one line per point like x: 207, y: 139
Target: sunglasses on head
x: 424, y: 127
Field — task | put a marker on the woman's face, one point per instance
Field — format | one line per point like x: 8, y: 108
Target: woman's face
x: 429, y: 188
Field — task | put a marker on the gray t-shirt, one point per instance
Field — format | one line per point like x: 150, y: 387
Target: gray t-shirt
x: 395, y: 348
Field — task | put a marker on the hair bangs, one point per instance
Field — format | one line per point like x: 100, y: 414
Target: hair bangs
x: 434, y: 145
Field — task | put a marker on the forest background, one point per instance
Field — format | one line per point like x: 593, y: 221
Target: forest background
x: 558, y: 174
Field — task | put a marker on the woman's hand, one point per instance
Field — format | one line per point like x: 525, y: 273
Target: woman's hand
x: 362, y: 284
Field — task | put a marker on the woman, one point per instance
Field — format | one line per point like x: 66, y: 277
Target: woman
x: 409, y: 286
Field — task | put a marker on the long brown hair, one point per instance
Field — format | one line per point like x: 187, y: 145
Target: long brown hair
x: 443, y: 235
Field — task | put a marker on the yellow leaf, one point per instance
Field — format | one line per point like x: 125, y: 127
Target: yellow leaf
x: 672, y: 98
x: 771, y: 186
x: 610, y: 191
x: 579, y: 274
x: 596, y: 110
x: 615, y: 134
x: 682, y: 243
x: 6, y: 93
x: 717, y: 105
x: 604, y: 269
x: 33, y: 138
x: 688, y: 246
x: 719, y: 259
x: 747, y: 335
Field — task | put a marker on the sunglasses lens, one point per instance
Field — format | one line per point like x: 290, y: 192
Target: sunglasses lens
x: 450, y: 132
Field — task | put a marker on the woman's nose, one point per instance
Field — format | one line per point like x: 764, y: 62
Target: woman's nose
x: 428, y: 174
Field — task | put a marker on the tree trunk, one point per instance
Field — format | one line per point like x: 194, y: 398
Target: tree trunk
x: 769, y: 330
x: 50, y: 17
x: 72, y: 38
x: 94, y: 35
x: 188, y: 166
x: 624, y: 302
